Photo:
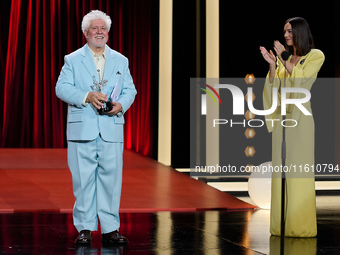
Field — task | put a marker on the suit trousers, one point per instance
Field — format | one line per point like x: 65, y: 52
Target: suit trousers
x: 96, y: 168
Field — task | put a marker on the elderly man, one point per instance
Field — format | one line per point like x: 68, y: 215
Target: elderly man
x: 90, y: 77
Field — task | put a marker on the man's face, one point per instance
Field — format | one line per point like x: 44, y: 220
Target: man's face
x: 97, y: 34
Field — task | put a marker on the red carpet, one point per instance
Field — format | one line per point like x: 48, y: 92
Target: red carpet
x: 39, y: 180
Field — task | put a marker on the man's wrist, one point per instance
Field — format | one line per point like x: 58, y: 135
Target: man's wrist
x: 121, y: 112
x: 85, y: 101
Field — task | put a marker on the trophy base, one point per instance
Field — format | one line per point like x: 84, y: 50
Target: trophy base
x: 105, y: 109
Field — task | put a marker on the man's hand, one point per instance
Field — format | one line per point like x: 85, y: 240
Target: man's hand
x: 115, y: 109
x: 95, y: 99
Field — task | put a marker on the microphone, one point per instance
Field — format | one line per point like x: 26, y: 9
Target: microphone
x: 285, y: 55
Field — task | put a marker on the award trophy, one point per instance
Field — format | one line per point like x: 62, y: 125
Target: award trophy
x: 98, y: 87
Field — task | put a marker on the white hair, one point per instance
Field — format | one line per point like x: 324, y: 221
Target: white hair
x: 93, y: 15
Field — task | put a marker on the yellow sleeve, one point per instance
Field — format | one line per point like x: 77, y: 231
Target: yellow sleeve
x: 307, y: 68
x: 268, y: 94
x: 303, y: 76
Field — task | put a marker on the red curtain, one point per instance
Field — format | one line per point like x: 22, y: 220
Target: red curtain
x: 35, y: 36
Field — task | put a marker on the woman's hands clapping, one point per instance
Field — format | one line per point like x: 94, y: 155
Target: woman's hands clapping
x: 271, y: 59
x: 268, y: 56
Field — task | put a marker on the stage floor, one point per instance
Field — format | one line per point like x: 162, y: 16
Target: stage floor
x: 163, y: 212
x: 166, y: 233
x: 39, y: 180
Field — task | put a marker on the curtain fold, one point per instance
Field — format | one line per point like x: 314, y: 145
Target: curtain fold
x: 35, y: 37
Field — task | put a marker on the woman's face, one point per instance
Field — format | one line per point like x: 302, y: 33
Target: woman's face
x: 288, y: 34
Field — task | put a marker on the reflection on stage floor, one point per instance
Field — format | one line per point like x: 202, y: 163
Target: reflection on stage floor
x: 201, y: 232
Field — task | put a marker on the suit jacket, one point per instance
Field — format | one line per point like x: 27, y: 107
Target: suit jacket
x: 75, y: 80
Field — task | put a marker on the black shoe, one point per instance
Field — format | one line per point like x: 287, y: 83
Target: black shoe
x: 84, y: 237
x: 114, y: 238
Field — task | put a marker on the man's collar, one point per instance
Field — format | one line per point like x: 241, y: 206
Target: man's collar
x: 96, y: 55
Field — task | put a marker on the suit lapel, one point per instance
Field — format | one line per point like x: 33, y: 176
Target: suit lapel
x: 89, y: 63
x: 110, y: 64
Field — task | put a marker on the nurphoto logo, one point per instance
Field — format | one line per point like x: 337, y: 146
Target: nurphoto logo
x: 238, y: 103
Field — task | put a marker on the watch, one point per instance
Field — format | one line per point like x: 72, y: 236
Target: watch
x: 120, y: 113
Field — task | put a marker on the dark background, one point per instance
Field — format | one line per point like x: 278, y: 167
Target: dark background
x: 244, y: 27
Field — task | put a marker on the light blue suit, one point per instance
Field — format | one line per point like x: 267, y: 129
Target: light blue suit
x: 95, y: 142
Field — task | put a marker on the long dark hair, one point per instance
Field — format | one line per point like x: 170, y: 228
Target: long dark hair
x: 302, y: 36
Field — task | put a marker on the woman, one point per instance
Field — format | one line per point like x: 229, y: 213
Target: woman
x: 300, y: 71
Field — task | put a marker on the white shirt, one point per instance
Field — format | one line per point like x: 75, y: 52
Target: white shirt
x: 99, y: 61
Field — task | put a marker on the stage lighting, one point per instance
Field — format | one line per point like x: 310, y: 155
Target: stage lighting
x: 250, y: 151
x: 253, y: 97
x: 249, y: 115
x: 250, y: 79
x: 250, y: 133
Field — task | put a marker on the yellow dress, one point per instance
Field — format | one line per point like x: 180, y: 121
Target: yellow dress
x: 300, y: 211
